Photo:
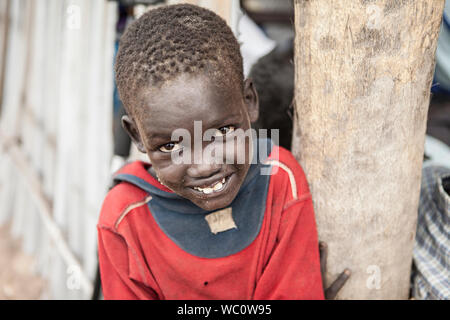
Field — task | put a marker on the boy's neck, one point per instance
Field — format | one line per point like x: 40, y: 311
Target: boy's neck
x: 152, y: 172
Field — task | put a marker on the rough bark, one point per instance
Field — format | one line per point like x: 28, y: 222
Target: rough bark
x: 363, y: 75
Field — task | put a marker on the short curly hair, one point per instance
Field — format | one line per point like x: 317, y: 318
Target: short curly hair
x: 170, y: 40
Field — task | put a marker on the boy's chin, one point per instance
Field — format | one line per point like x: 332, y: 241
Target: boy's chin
x: 216, y: 200
x: 213, y: 204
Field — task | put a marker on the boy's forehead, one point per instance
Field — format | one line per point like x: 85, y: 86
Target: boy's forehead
x: 186, y: 99
x: 186, y: 88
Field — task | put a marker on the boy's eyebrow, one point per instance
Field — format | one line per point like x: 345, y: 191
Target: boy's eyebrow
x: 226, y: 121
x: 159, y: 136
x: 216, y: 123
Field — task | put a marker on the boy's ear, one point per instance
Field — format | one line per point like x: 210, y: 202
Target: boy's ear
x: 251, y: 99
x: 130, y: 127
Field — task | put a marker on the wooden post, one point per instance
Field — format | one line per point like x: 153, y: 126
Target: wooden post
x: 363, y: 77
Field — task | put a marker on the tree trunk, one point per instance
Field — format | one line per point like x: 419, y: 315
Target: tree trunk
x: 363, y: 77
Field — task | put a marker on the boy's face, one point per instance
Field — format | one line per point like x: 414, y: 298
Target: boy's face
x: 222, y: 110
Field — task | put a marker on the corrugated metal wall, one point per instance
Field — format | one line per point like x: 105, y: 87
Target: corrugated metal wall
x: 55, y: 132
x: 56, y: 90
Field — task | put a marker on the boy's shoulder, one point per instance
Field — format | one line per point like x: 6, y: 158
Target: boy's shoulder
x: 287, y: 171
x: 123, y: 197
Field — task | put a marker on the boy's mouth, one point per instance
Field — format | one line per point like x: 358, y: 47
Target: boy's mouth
x: 214, y: 187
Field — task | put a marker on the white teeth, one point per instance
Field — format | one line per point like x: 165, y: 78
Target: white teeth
x: 207, y: 190
x: 216, y: 187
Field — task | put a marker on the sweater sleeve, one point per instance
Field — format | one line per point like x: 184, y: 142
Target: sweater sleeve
x: 114, y: 260
x: 293, y: 269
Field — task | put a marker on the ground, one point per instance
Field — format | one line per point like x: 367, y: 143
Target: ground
x: 18, y: 281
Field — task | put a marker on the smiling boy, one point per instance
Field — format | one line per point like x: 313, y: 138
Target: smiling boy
x: 208, y: 229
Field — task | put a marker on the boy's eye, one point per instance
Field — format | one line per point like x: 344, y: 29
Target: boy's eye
x: 170, y: 147
x: 224, y: 131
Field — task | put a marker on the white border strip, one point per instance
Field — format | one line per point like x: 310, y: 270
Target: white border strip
x: 289, y: 172
x: 129, y: 208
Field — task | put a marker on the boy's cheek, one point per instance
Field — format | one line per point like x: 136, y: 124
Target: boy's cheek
x: 160, y: 160
x: 171, y: 175
x: 162, y: 165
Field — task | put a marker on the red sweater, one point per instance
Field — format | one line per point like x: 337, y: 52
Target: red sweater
x: 139, y: 261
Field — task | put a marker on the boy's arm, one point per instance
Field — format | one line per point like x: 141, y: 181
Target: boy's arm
x: 114, y: 264
x: 293, y: 270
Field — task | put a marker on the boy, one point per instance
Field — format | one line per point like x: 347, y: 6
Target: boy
x: 203, y: 229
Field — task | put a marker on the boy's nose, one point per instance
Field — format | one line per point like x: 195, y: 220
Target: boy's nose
x: 203, y: 170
